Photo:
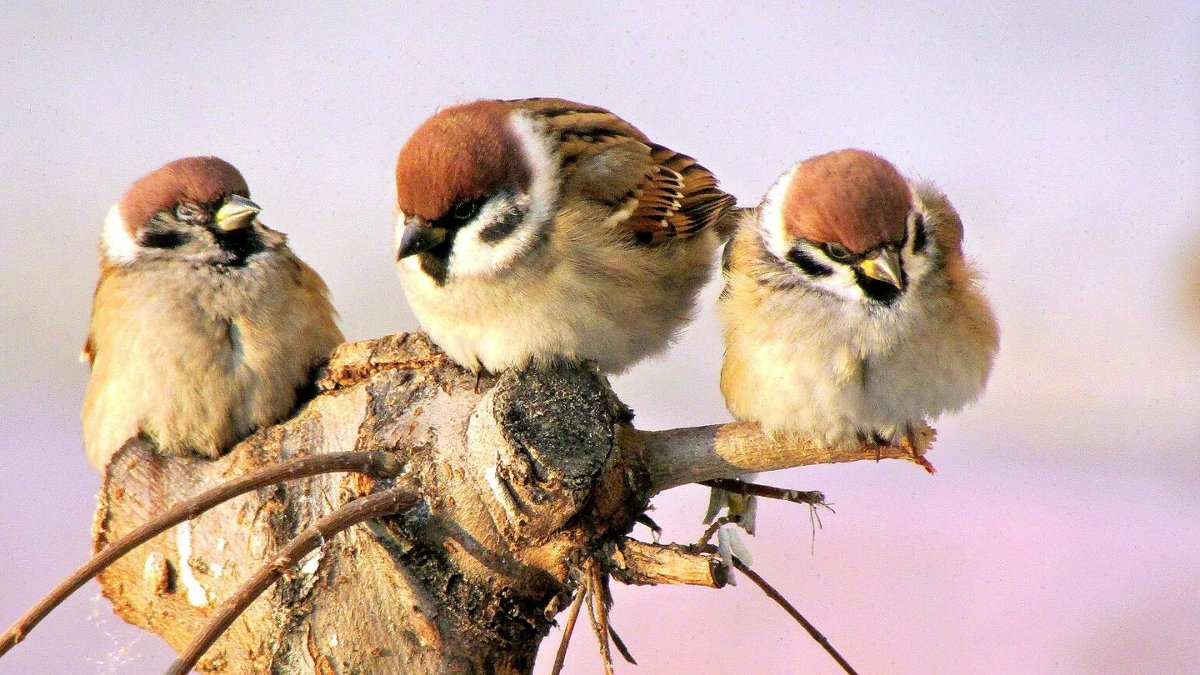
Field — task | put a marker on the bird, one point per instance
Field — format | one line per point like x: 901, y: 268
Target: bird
x: 850, y: 312
x: 204, y: 326
x: 535, y: 230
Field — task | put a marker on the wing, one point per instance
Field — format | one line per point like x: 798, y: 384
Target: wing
x: 655, y: 194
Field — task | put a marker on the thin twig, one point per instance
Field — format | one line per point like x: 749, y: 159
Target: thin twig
x: 560, y: 657
x: 379, y: 464
x: 620, y: 645
x: 756, y: 490
x: 711, y: 531
x: 374, y: 506
x: 795, y: 614
x: 598, y: 613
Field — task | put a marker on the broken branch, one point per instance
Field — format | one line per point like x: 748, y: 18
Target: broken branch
x: 644, y: 564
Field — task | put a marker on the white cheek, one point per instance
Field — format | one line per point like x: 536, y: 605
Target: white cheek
x: 474, y: 257
x: 916, y: 265
x: 543, y: 167
x: 772, y: 216
x: 116, y: 244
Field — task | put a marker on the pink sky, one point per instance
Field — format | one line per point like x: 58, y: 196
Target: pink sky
x: 1060, y: 534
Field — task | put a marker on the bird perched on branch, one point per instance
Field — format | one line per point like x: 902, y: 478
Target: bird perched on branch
x: 539, y: 229
x: 849, y: 310
x: 204, y: 323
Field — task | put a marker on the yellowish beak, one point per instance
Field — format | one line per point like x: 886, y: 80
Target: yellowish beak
x: 237, y: 213
x: 884, y: 266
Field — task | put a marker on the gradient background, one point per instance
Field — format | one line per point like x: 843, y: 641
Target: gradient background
x: 1060, y: 535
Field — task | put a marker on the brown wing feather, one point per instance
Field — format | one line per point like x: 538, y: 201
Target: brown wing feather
x: 679, y: 198
x: 666, y: 194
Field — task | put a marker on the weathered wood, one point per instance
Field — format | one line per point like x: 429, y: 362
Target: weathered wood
x: 462, y: 585
x: 525, y: 478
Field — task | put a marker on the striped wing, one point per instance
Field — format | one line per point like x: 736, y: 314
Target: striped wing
x: 655, y: 194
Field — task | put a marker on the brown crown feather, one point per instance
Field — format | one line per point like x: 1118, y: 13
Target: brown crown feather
x: 850, y: 197
x: 463, y: 152
x: 200, y: 180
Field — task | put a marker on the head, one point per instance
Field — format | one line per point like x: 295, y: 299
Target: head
x: 474, y: 191
x: 849, y: 224
x: 196, y: 209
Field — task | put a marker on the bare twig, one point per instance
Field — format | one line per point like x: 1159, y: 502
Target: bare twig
x: 770, y: 492
x: 711, y: 531
x: 560, y: 657
x: 694, y: 454
x: 379, y: 464
x: 598, y: 612
x: 620, y: 645
x: 377, y: 505
x: 795, y: 614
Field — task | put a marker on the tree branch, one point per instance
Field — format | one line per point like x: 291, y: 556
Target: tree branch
x: 644, y: 564
x: 377, y: 464
x: 520, y: 474
x: 374, y: 506
x: 676, y: 457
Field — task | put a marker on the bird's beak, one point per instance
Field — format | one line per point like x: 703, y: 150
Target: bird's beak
x: 884, y: 266
x: 418, y: 236
x: 237, y: 213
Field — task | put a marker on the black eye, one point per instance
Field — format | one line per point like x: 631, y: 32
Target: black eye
x: 838, y: 252
x: 464, y: 211
x: 186, y: 211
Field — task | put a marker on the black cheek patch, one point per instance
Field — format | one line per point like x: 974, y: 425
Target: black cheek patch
x: 879, y: 291
x: 807, y: 263
x: 919, y: 236
x: 161, y: 238
x: 436, y: 261
x: 500, y: 229
x: 435, y: 266
x: 241, y: 244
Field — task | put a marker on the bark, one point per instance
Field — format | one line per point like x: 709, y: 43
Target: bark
x: 521, y: 477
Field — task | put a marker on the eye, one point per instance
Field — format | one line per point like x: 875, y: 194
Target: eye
x: 187, y: 211
x: 466, y: 210
x: 838, y: 252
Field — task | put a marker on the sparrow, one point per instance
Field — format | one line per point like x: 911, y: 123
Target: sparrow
x: 849, y: 310
x: 541, y: 229
x: 205, y: 326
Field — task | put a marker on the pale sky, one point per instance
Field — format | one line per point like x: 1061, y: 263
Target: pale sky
x: 1060, y: 534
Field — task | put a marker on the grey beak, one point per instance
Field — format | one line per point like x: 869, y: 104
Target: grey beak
x: 419, y: 236
x: 237, y: 213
